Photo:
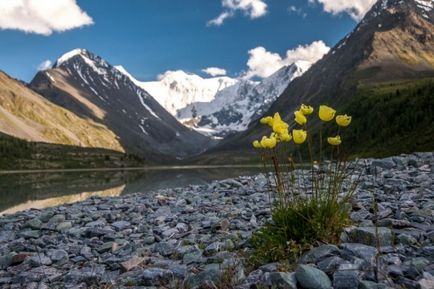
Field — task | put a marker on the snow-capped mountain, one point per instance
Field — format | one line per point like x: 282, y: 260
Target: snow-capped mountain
x: 221, y: 105
x: 235, y: 107
x: 175, y: 90
x: 86, y: 84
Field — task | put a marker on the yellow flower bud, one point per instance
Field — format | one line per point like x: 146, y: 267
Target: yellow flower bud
x: 257, y: 144
x: 300, y: 118
x: 326, y: 113
x: 334, y: 141
x: 279, y: 126
x: 268, y: 142
x: 299, y: 136
x: 285, y: 137
x: 267, y: 120
x: 343, y: 120
x: 306, y: 109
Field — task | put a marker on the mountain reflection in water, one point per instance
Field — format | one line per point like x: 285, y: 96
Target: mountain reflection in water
x: 20, y: 192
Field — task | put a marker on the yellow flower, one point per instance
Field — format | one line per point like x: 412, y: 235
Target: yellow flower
x: 287, y: 137
x: 257, y: 144
x: 267, y: 120
x: 279, y: 126
x: 299, y: 136
x: 326, y: 113
x: 334, y: 141
x: 268, y: 142
x: 300, y: 118
x: 343, y: 120
x: 306, y: 109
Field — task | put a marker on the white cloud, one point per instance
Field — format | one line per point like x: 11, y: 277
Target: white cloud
x: 42, y: 16
x: 263, y: 63
x: 252, y: 8
x: 214, y: 71
x: 46, y: 64
x: 355, y: 8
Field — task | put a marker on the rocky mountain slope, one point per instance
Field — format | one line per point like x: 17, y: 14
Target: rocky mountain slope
x: 221, y: 105
x: 89, y: 86
x: 27, y: 115
x: 393, y: 43
x: 234, y: 107
x: 175, y: 90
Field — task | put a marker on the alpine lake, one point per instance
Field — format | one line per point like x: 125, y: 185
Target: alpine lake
x: 37, y: 190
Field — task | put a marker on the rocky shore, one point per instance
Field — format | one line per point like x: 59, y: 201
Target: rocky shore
x: 192, y: 238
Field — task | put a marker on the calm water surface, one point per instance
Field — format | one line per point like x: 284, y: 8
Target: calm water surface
x: 41, y: 190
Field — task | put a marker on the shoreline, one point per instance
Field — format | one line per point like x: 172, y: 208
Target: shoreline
x: 193, y: 235
x: 150, y: 168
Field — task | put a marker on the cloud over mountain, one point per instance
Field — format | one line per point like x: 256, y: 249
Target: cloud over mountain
x: 262, y: 63
x: 355, y: 8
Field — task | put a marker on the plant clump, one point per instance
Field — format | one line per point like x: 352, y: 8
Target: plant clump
x: 309, y: 200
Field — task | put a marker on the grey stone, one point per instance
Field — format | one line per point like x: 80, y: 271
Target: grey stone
x: 57, y: 219
x: 201, y: 279
x: 164, y: 249
x: 312, y: 278
x: 371, y: 235
x: 212, y: 249
x: 131, y: 263
x: 330, y: 264
x: 345, y: 280
x: 121, y: 225
x: 281, y: 280
x: 34, y: 224
x: 59, y: 255
x: 63, y: 226
x: 371, y: 285
x: 362, y: 251
x: 318, y: 254
x: 156, y: 276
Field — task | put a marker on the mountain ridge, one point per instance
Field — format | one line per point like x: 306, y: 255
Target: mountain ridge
x: 88, y: 85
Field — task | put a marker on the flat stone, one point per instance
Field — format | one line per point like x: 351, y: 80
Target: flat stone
x: 57, y: 219
x: 34, y: 224
x: 59, y: 255
x: 63, y: 226
x: 281, y: 280
x: 164, y: 249
x: 371, y: 285
x: 345, y: 280
x: 121, y: 225
x: 312, y: 278
x: 131, y: 263
x: 362, y: 251
x: 212, y: 249
x: 371, y: 235
x: 30, y: 234
x: 156, y: 277
x: 317, y: 254
x: 201, y: 279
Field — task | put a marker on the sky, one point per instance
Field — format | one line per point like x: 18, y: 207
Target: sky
x: 238, y: 38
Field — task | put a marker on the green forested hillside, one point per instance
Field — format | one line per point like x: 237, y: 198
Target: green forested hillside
x: 16, y: 154
x: 391, y: 118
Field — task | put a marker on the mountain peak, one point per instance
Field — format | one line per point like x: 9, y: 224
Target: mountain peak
x: 87, y: 56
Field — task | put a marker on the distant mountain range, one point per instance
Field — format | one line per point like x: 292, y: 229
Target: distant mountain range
x: 221, y: 105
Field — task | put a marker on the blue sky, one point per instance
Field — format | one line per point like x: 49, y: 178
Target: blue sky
x: 149, y: 37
